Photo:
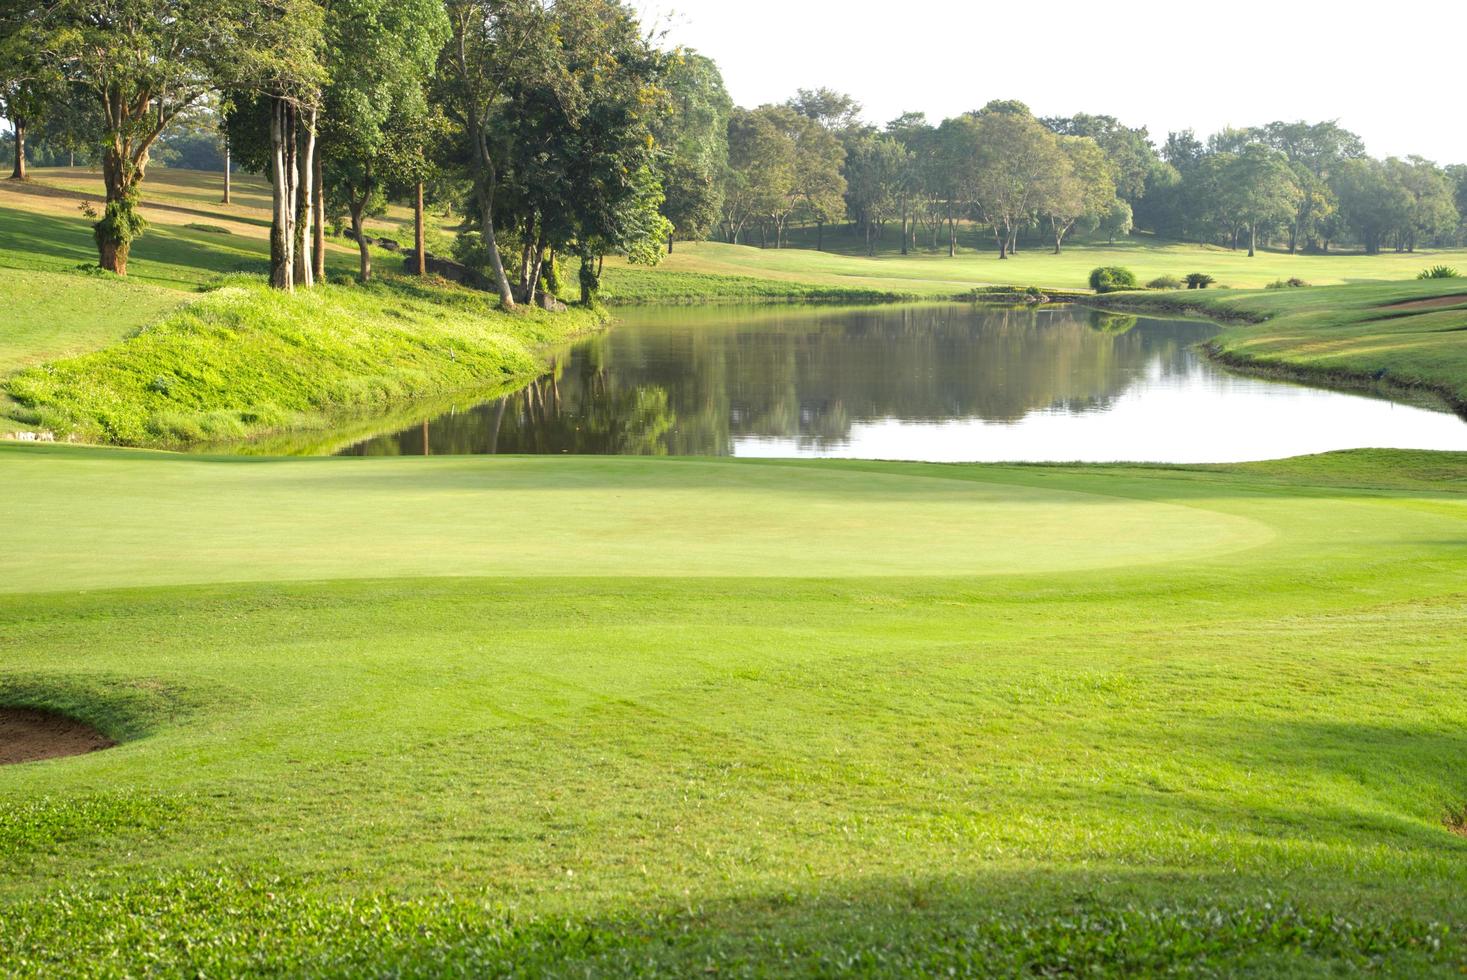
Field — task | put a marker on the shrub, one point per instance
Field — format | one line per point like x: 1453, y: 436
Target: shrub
x: 1199, y: 280
x: 1294, y: 283
x: 1439, y: 272
x: 1165, y: 282
x: 1112, y: 278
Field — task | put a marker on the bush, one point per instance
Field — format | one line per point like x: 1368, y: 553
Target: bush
x: 1199, y: 280
x: 1439, y: 272
x: 1112, y: 278
x: 1294, y: 283
x: 1165, y: 282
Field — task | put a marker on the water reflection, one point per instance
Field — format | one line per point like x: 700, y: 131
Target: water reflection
x: 938, y: 383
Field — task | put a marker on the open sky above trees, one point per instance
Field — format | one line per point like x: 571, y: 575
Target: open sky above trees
x: 1237, y: 65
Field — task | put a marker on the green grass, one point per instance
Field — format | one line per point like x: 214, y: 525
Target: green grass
x: 934, y: 275
x: 50, y: 315
x: 1408, y: 335
x: 626, y: 285
x: 593, y: 716
x: 245, y: 360
x: 621, y: 715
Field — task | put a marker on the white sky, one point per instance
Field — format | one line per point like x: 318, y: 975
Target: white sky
x: 1394, y: 73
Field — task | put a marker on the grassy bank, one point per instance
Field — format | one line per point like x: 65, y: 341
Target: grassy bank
x: 1408, y: 335
x: 244, y: 360
x: 49, y: 315
x: 471, y: 715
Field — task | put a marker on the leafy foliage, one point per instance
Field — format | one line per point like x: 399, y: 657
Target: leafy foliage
x: 1111, y: 278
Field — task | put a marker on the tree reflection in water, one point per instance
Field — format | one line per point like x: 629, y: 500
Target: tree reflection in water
x: 693, y: 382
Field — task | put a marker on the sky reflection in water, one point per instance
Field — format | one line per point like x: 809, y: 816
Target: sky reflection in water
x: 941, y: 383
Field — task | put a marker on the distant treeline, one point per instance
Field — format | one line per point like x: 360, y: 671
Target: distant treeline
x: 1304, y: 186
x: 564, y: 130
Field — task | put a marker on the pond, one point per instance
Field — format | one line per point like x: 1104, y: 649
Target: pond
x: 956, y: 383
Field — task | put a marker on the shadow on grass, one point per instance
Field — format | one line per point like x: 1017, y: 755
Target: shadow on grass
x: 31, y: 240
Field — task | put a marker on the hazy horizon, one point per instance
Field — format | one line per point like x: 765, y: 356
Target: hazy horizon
x: 1150, y: 66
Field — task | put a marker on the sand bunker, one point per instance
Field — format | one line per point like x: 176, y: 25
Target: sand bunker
x: 27, y: 735
x: 1435, y: 303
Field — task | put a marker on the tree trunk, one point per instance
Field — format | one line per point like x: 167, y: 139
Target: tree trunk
x: 952, y: 237
x: 486, y: 186
x: 225, y: 199
x: 357, y: 205
x: 421, y: 257
x: 318, y: 223
x: 19, y: 172
x: 491, y: 242
x: 904, y: 229
x: 113, y: 256
x: 305, y: 163
x: 119, y: 179
x: 1252, y: 240
x: 533, y: 286
x: 282, y: 235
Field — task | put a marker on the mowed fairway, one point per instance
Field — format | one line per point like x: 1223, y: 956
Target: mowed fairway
x: 160, y: 520
x: 934, y: 274
x: 584, y: 715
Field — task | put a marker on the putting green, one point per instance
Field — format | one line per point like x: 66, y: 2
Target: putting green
x: 170, y: 520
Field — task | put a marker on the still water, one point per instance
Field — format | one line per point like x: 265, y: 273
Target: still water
x: 943, y: 383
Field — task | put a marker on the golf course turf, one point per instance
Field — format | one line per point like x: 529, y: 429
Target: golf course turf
x: 480, y: 714
x: 611, y: 715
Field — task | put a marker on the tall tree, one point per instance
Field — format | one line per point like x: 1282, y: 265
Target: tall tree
x: 1019, y: 168
x: 877, y: 168
x: 492, y: 43
x: 953, y: 170
x: 692, y: 140
x: 835, y: 111
x: 1128, y: 149
x: 1083, y: 188
x: 274, y: 78
x: 1258, y: 190
x: 761, y: 170
x: 912, y: 131
x: 380, y: 54
x: 145, y: 62
x: 1372, y: 202
x: 818, y: 193
x: 580, y: 147
x: 1432, y: 213
x: 30, y: 80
